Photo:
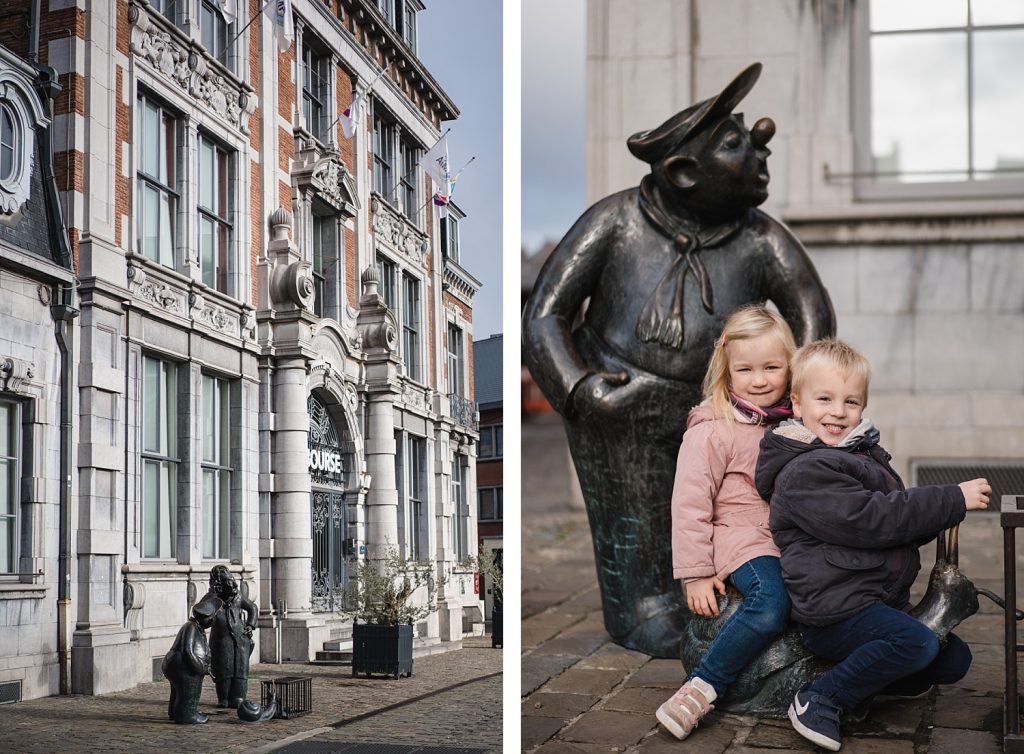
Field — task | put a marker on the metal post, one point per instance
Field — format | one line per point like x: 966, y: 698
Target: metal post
x: 1011, y: 518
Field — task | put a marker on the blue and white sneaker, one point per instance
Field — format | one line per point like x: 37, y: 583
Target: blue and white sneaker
x: 816, y: 718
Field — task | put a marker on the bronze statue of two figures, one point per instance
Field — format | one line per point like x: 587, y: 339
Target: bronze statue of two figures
x: 662, y: 265
x: 231, y: 618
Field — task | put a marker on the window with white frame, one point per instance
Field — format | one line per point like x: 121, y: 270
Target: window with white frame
x: 315, y: 86
x: 938, y: 90
x: 9, y: 143
x: 326, y: 253
x: 450, y: 238
x: 214, y: 214
x: 157, y: 193
x: 409, y: 155
x: 411, y: 327
x: 159, y: 457
x: 383, y: 156
x: 10, y: 484
x: 460, y: 521
x: 165, y: 8
x: 216, y: 452
x: 417, y: 485
x: 401, y: 14
x: 213, y: 29
x: 491, y: 505
x: 387, y: 272
x: 490, y: 441
x: 456, y: 361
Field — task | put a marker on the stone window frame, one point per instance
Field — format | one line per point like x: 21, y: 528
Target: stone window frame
x: 866, y: 184
x: 168, y: 401
x: 25, y: 112
x: 449, y: 227
x: 170, y: 125
x: 460, y: 506
x: 218, y: 39
x: 315, y: 60
x: 414, y: 493
x: 456, y: 358
x: 14, y: 432
x: 223, y: 465
x: 498, y: 504
x: 222, y: 217
x: 412, y: 319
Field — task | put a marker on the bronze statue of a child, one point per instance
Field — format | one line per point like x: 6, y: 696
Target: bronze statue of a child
x: 662, y: 264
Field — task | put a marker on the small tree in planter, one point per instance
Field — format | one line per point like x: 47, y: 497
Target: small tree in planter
x: 378, y: 601
x: 489, y: 565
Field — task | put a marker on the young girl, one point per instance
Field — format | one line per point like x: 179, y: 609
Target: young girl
x: 719, y: 522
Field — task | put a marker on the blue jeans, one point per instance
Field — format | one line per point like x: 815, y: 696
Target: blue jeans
x: 883, y: 650
x: 761, y: 617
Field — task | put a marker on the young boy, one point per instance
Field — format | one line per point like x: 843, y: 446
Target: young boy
x: 849, y: 531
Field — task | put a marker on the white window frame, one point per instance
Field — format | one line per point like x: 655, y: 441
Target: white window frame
x: 11, y: 459
x: 460, y: 519
x: 416, y: 495
x: 216, y: 261
x: 384, y: 155
x: 456, y: 353
x: 387, y: 272
x: 214, y: 30
x: 412, y: 324
x: 159, y: 407
x: 216, y: 467
x: 867, y: 186
x: 166, y: 188
x: 496, y: 435
x: 315, y: 89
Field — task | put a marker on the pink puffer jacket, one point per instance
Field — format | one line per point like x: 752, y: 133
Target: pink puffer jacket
x: 719, y: 522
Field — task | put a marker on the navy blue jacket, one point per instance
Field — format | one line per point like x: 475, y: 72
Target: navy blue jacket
x: 847, y: 527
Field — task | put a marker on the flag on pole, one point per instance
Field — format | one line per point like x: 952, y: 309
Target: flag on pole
x: 435, y: 162
x: 281, y: 12
x: 352, y: 116
x: 228, y: 10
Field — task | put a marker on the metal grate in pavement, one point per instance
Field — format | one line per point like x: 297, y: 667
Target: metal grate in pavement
x: 341, y: 747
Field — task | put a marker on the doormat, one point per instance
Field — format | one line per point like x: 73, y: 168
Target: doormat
x: 341, y: 747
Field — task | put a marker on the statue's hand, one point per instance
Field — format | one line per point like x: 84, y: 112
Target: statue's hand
x: 600, y: 394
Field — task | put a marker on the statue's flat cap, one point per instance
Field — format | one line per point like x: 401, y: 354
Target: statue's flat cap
x: 657, y: 143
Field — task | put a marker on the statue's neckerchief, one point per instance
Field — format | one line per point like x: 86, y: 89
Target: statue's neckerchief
x: 661, y: 319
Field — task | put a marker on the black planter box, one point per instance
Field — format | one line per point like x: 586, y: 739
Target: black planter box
x: 381, y: 649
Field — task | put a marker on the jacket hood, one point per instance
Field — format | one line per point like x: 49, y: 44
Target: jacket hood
x: 699, y: 415
x: 791, y: 439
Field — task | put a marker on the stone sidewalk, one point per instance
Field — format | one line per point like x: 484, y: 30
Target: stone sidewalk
x: 583, y: 693
x: 451, y: 700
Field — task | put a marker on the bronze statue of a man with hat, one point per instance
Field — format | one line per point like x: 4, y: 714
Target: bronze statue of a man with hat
x: 662, y: 266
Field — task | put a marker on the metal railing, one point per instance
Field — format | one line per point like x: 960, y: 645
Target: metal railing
x: 464, y: 411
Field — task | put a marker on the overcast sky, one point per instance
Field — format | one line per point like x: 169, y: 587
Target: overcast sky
x: 553, y: 83
x: 460, y: 43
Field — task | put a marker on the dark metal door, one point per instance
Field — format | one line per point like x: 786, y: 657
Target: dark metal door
x: 328, y: 541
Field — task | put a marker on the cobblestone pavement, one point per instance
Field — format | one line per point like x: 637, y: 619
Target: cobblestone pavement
x: 583, y: 693
x: 451, y: 699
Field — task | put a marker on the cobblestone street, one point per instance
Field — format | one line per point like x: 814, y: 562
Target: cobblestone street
x: 451, y: 700
x: 583, y: 693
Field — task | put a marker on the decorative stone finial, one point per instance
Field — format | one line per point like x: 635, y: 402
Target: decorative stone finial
x: 281, y: 222
x: 370, y: 281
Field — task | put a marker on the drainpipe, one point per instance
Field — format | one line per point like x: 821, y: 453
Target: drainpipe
x: 63, y: 312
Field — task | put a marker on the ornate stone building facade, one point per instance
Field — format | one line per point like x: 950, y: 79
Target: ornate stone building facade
x: 259, y: 369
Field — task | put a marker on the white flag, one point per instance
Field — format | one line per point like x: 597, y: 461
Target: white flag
x: 435, y: 162
x: 228, y: 10
x: 281, y: 12
x: 352, y: 117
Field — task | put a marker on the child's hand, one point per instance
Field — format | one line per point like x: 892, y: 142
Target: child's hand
x: 700, y: 595
x: 976, y: 493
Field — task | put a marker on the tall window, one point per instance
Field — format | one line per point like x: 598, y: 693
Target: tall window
x: 156, y: 147
x: 460, y: 521
x: 408, y: 196
x: 417, y: 497
x: 456, y: 361
x: 405, y: 22
x: 315, y: 87
x: 450, y: 238
x: 325, y: 257
x: 383, y: 156
x: 159, y: 458
x: 491, y: 442
x: 10, y: 484
x: 387, y: 271
x: 213, y: 30
x: 8, y: 143
x: 165, y: 7
x: 214, y: 224
x: 216, y: 467
x: 411, y: 326
x: 959, y: 62
x: 491, y: 503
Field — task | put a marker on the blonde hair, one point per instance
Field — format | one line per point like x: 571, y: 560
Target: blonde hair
x: 842, y: 357
x: 743, y: 324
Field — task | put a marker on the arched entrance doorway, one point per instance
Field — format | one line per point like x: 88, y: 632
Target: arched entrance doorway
x: 327, y: 504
